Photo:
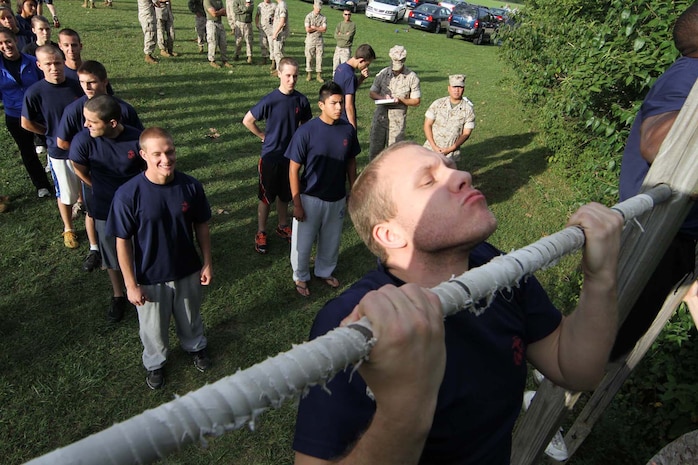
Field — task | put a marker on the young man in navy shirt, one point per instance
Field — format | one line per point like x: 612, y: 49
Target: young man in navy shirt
x: 325, y: 148
x: 42, y: 109
x: 105, y: 156
x: 156, y: 217
x: 345, y: 76
x: 283, y: 110
x: 426, y: 223
x: 94, y: 81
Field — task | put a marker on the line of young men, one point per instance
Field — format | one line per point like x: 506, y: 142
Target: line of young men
x: 107, y: 156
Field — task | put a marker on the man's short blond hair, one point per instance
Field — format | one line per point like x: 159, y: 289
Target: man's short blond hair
x: 371, y: 201
x: 154, y: 132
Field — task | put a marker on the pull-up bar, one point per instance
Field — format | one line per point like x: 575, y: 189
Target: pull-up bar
x: 237, y: 400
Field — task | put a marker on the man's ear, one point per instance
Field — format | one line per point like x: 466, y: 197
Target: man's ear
x: 389, y: 235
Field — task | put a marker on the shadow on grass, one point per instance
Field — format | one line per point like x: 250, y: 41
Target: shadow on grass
x: 502, y: 165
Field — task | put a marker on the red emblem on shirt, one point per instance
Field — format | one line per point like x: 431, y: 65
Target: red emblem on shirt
x: 131, y: 154
x: 517, y: 347
x: 345, y: 142
x: 185, y: 206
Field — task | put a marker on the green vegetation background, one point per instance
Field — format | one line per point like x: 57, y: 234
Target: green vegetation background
x: 65, y: 373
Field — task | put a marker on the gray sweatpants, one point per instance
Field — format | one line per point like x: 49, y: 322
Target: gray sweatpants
x: 181, y: 299
x: 323, y: 220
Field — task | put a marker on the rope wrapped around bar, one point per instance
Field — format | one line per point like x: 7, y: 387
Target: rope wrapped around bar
x: 237, y: 400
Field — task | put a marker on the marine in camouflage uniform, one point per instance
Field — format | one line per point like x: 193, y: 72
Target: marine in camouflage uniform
x: 344, y: 34
x: 315, y: 26
x: 449, y: 120
x: 400, y: 84
x: 280, y: 32
x: 264, y: 20
x: 239, y: 14
x: 197, y: 7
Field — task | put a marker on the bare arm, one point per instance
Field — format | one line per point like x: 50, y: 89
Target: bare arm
x: 410, y: 102
x: 407, y: 363
x: 465, y: 135
x: 203, y: 237
x: 294, y: 169
x: 575, y: 354
x: 351, y: 172
x: 350, y: 108
x: 124, y: 252
x: 653, y: 131
x: 83, y: 173
x: 62, y: 144
x: 251, y: 123
x: 32, y: 126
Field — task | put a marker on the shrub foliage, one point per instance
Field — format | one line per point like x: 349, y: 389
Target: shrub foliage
x: 585, y: 66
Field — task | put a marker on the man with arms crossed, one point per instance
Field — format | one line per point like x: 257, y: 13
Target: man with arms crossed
x: 426, y: 223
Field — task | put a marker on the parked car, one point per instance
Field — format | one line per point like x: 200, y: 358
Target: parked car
x: 386, y: 10
x: 412, y: 4
x: 450, y: 4
x: 472, y: 22
x: 432, y: 18
x: 500, y: 14
x: 353, y: 5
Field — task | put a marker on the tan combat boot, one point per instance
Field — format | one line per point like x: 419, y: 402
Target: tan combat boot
x: 309, y: 77
x: 318, y: 78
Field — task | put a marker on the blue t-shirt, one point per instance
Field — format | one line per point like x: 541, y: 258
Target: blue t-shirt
x: 480, y: 396
x: 345, y: 76
x: 73, y: 119
x: 111, y: 163
x: 324, y: 151
x: 283, y: 115
x: 668, y: 93
x: 160, y: 219
x: 13, y: 91
x: 45, y: 102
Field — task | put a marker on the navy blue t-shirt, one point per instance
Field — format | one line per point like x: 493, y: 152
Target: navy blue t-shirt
x: 45, y: 102
x: 111, y: 163
x: 160, y: 219
x: 480, y: 396
x: 324, y: 151
x: 73, y: 119
x: 283, y: 115
x: 668, y: 93
x: 345, y: 76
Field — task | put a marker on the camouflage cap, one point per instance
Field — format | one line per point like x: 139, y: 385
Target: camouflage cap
x: 398, y: 54
x: 456, y: 80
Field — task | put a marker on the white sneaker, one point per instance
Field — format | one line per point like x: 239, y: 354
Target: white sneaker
x: 557, y: 449
x: 43, y: 193
x: 538, y: 377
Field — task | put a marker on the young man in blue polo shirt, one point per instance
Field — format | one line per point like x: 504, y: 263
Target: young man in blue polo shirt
x: 94, y: 81
x: 283, y: 110
x: 325, y: 148
x: 105, y: 156
x: 42, y: 109
x: 426, y: 223
x: 157, y: 212
x: 345, y: 76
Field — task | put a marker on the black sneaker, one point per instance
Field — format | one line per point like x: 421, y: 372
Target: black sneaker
x: 117, y: 308
x: 201, y: 360
x: 155, y: 379
x: 92, y: 261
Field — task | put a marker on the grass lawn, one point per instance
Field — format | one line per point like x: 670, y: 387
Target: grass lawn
x: 66, y: 373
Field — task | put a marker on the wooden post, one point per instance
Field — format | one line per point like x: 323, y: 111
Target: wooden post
x: 676, y: 165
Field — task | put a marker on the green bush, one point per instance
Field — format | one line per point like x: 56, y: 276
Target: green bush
x: 585, y: 67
